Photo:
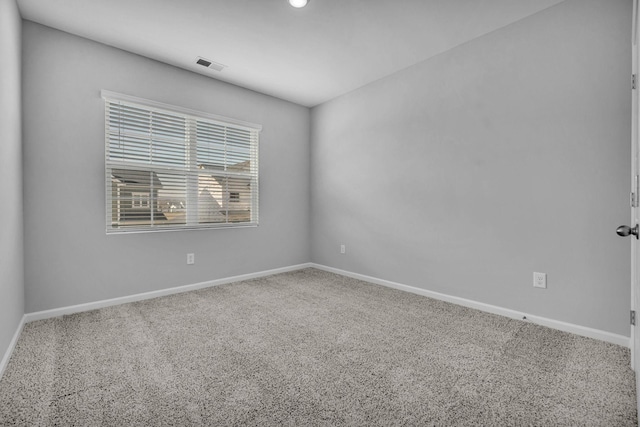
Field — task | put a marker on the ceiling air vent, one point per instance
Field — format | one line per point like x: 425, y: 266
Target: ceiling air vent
x: 210, y: 64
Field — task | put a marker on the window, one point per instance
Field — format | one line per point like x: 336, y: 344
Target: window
x: 139, y: 200
x: 171, y: 168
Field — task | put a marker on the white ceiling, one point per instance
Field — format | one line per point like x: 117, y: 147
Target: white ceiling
x: 307, y: 56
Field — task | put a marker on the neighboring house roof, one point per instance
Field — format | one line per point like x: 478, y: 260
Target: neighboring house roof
x: 238, y: 167
x: 242, y: 166
x: 137, y: 177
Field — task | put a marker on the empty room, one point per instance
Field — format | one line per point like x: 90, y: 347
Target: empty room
x: 322, y: 212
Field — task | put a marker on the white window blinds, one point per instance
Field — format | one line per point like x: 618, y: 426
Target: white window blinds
x: 172, y: 168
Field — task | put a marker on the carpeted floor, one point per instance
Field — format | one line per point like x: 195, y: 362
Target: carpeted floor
x: 309, y: 348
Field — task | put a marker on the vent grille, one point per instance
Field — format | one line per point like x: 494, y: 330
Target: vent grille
x: 210, y: 64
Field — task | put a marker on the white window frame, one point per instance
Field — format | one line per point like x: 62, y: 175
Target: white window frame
x: 190, y: 171
x: 140, y: 200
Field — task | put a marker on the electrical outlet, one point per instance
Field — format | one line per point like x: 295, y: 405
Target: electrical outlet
x: 191, y: 259
x: 540, y: 280
x: 343, y: 249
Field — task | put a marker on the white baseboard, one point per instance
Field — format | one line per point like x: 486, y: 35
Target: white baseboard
x: 47, y: 314
x: 555, y: 324
x: 584, y: 331
x: 12, y: 345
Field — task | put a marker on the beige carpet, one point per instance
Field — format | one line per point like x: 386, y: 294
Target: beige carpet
x: 309, y: 348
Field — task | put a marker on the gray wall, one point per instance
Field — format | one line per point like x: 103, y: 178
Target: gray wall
x: 11, y: 237
x: 506, y: 155
x: 69, y: 259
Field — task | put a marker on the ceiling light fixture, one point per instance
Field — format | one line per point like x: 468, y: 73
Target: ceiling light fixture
x: 298, y: 3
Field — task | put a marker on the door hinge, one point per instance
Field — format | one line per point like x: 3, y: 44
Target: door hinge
x: 633, y: 81
x: 632, y: 318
